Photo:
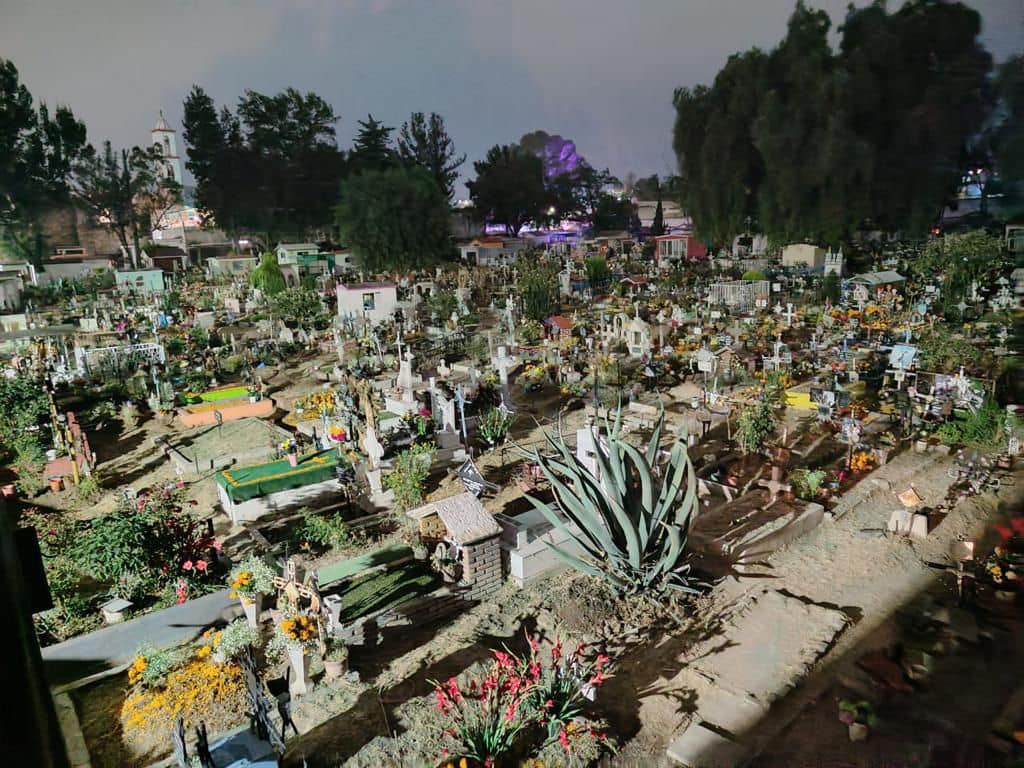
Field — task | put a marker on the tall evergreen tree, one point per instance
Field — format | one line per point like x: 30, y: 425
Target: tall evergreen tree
x: 509, y: 187
x: 424, y: 141
x: 372, y: 149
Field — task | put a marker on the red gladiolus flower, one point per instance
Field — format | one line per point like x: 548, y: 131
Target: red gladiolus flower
x: 200, y: 565
x: 556, y: 651
x: 598, y: 678
x: 534, y: 670
x: 601, y: 661
x: 187, y: 565
x: 453, y: 690
x: 510, y: 712
x: 534, y: 645
x: 563, y: 739
x: 442, y: 702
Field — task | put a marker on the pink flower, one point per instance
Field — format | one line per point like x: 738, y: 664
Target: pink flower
x: 187, y: 565
x: 601, y: 661
x: 556, y: 651
x: 563, y: 739
x: 200, y: 565
x: 510, y: 712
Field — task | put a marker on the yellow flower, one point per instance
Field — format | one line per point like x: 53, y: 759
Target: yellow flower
x: 203, y: 652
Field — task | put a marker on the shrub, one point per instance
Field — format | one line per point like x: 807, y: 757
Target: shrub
x: 631, y: 525
x: 753, y: 274
x: 755, y: 425
x: 250, y: 577
x: 409, y: 473
x: 494, y: 425
x: 129, y: 415
x: 29, y: 464
x: 321, y: 532
x: 231, y: 642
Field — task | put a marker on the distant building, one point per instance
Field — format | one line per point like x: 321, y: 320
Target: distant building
x: 231, y: 264
x: 493, y: 251
x: 292, y: 253
x: 803, y: 255
x: 165, y: 141
x: 141, y: 280
x: 678, y: 248
x: 374, y: 301
x: 834, y: 263
x: 73, y: 263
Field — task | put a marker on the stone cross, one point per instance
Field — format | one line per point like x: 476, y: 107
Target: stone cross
x: 775, y: 486
x: 789, y: 313
x: 502, y: 363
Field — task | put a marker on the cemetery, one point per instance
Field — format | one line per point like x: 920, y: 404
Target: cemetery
x: 637, y: 511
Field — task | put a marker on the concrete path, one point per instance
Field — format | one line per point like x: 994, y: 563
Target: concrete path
x: 115, y: 646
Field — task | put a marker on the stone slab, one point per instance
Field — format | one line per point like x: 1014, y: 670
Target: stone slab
x: 700, y: 747
x: 774, y: 644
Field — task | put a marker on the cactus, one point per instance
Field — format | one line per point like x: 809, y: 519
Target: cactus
x: 633, y: 523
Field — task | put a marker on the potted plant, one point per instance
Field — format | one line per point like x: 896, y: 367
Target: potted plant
x: 297, y: 635
x: 250, y: 580
x: 291, y: 449
x: 336, y: 660
x: 859, y: 717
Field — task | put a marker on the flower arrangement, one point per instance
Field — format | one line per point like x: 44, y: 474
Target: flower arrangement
x: 337, y: 434
x: 533, y: 377
x: 289, y: 446
x: 1002, y: 569
x: 321, y: 401
x: 298, y: 631
x: 250, y: 577
x: 576, y: 389
x: 228, y: 643
x: 538, y: 699
x: 862, y: 461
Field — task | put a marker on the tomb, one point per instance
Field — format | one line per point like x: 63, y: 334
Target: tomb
x: 249, y: 493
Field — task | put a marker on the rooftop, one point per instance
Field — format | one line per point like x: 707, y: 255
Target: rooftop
x: 463, y: 516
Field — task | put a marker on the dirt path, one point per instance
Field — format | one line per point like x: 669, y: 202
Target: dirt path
x: 867, y: 577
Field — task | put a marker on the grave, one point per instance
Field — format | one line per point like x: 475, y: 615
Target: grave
x: 525, y: 540
x: 243, y: 441
x: 249, y: 493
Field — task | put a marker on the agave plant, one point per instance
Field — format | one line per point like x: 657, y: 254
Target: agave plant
x: 632, y: 521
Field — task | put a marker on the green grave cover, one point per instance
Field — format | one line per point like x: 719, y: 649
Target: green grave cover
x: 244, y: 483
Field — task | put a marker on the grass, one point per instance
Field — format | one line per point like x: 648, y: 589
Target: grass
x: 386, y: 589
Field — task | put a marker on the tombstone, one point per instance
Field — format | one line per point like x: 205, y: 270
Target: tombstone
x: 442, y: 369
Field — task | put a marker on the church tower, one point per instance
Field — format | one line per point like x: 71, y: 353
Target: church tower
x: 165, y: 140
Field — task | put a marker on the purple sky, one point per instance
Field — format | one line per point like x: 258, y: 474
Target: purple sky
x: 600, y: 72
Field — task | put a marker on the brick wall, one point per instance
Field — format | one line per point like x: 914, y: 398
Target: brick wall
x: 481, y: 567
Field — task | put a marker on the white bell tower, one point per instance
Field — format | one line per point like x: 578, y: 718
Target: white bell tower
x: 165, y: 140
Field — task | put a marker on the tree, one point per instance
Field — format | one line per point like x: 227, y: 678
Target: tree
x: 23, y: 406
x: 830, y: 287
x: 658, y: 223
x: 124, y: 191
x: 394, y: 219
x: 1008, y: 136
x: 271, y: 167
x: 537, y: 284
x: 37, y: 154
x: 812, y: 143
x: 612, y: 213
x: 371, y: 149
x: 299, y: 304
x: 425, y: 142
x: 268, y: 276
x: 597, y: 271
x: 509, y: 187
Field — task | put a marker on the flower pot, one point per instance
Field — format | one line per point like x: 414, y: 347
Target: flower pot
x: 252, y: 398
x: 333, y: 669
x: 858, y: 731
x: 253, y: 608
x: 56, y: 483
x: 420, y: 552
x: 921, y: 446
x: 299, y: 659
x: 8, y: 490
x: 293, y: 459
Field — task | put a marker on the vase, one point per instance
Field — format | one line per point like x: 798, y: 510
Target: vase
x: 293, y: 459
x: 334, y: 668
x: 420, y: 552
x: 299, y: 659
x: 858, y: 731
x: 56, y: 483
x: 253, y: 608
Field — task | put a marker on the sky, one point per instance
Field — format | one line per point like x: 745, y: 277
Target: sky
x: 600, y: 72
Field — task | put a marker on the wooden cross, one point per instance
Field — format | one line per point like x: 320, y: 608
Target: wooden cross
x: 775, y: 485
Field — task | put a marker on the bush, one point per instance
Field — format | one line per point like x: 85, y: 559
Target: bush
x: 29, y: 464
x: 753, y: 274
x: 410, y: 472
x: 321, y: 532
